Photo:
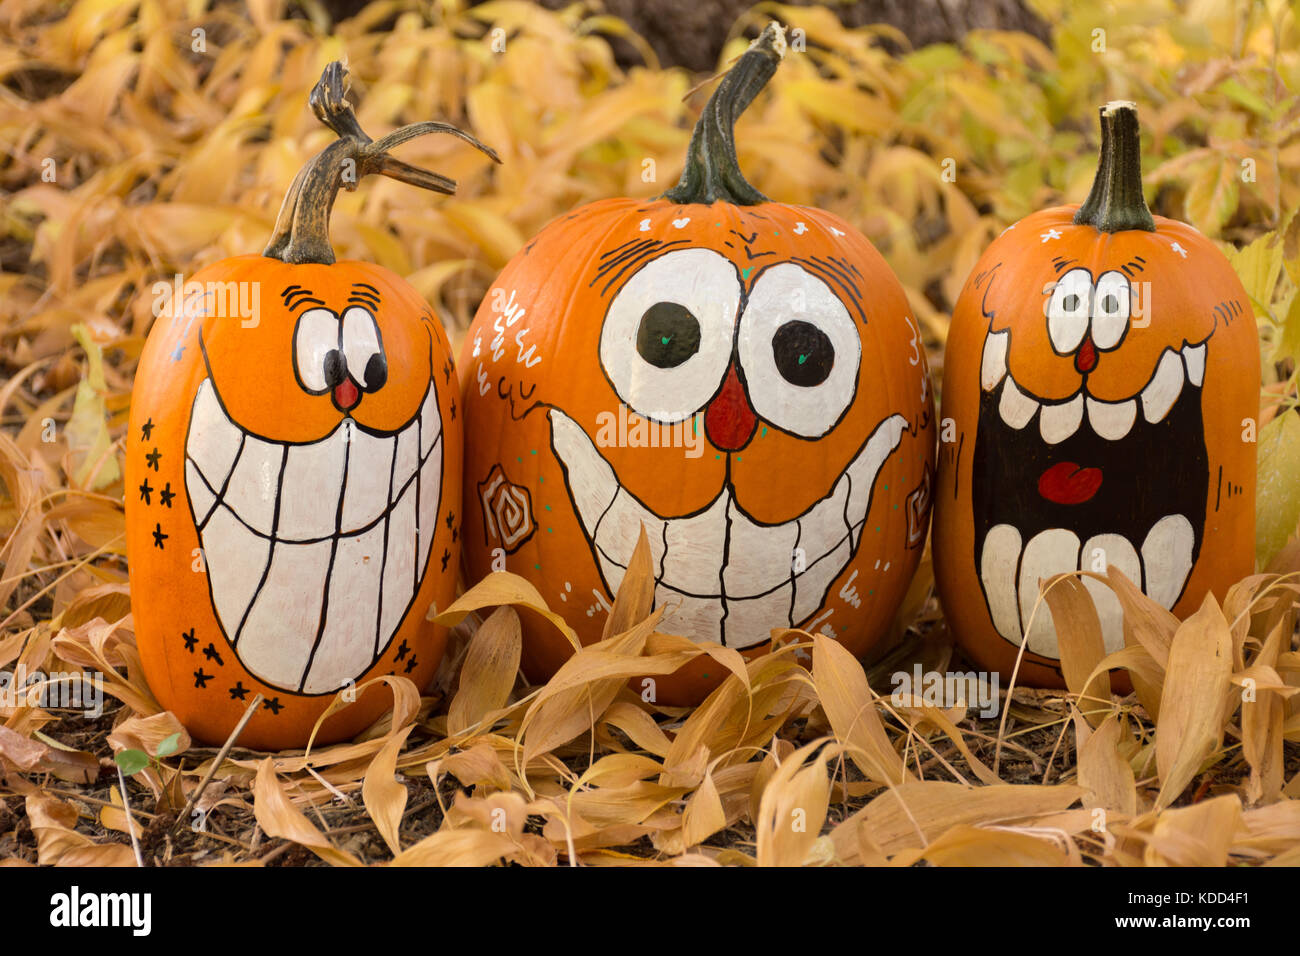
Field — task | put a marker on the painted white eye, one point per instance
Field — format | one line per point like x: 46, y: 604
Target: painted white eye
x: 666, y: 341
x: 316, y: 356
x: 363, y: 347
x: 799, y: 350
x: 1110, y: 310
x: 1067, y: 310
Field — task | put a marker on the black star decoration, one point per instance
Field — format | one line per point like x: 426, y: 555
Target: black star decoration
x: 145, y: 489
x: 146, y: 430
x: 273, y: 705
x: 210, y: 652
x: 239, y: 691
x: 189, y: 639
x: 166, y: 495
x: 453, y: 409
x: 455, y: 533
x: 201, y: 679
x: 402, y: 650
x: 446, y: 371
x: 451, y: 519
x: 152, y: 458
x: 410, y: 665
x: 446, y: 556
x: 159, y: 537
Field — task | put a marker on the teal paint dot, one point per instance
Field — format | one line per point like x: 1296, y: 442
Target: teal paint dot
x: 802, y: 359
x: 744, y: 273
x: 877, y: 527
x: 764, y: 430
x: 548, y: 507
x: 886, y: 487
x: 532, y: 451
x: 777, y: 233
x: 537, y: 567
x: 705, y: 676
x: 518, y: 459
x: 665, y: 339
x: 871, y: 592
x: 540, y: 480
x: 895, y: 507
x: 549, y: 530
x: 739, y: 459
x: 716, y: 457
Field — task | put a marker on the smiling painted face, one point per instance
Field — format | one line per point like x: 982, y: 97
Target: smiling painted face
x: 1099, y: 399
x: 745, y: 383
x: 295, y: 478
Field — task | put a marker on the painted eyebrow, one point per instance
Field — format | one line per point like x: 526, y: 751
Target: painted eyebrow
x: 295, y: 296
x: 1060, y: 263
x: 636, y: 257
x: 1134, y: 263
x: 835, y: 276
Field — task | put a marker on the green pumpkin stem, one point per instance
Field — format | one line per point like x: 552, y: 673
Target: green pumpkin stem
x: 1115, y: 202
x: 712, y: 171
x: 301, y: 231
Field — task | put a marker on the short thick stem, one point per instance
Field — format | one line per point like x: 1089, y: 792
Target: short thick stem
x: 712, y: 170
x: 1116, y: 202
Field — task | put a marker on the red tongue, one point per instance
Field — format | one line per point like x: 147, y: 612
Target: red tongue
x: 1068, y: 484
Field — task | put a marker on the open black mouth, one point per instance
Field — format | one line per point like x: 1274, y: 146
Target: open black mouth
x: 1080, y: 484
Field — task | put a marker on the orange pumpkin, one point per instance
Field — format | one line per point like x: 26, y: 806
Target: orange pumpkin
x: 293, y: 472
x: 743, y: 379
x: 1101, y: 383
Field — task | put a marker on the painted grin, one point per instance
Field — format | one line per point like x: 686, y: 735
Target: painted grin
x: 304, y: 541
x: 738, y: 599
x: 1045, y: 505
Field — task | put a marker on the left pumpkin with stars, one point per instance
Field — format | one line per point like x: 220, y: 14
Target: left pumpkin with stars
x: 293, y: 471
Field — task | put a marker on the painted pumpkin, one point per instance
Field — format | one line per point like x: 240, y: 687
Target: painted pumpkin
x: 293, y: 472
x: 741, y: 378
x: 1101, y: 383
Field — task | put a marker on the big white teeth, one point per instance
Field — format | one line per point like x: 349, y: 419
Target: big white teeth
x: 1047, y: 553
x: 1111, y: 420
x: 998, y: 563
x: 1100, y: 552
x: 1194, y: 359
x: 1165, y: 386
x: 1059, y: 422
x: 722, y: 575
x: 314, y: 551
x: 1167, y: 558
x: 1016, y: 407
x: 993, y: 364
x: 1010, y: 576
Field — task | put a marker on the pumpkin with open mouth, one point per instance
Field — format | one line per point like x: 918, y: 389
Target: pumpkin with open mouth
x: 293, y: 467
x: 742, y: 379
x: 1100, y: 392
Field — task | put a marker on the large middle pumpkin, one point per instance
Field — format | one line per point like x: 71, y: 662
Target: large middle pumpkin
x: 743, y: 379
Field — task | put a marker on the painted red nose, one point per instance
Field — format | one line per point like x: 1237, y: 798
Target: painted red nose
x: 1085, y: 359
x: 729, y: 421
x: 346, y: 395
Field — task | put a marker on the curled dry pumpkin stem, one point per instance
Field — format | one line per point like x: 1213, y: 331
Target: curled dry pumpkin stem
x: 301, y: 231
x: 712, y: 171
x: 1116, y: 202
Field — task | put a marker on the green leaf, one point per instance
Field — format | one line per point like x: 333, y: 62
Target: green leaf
x: 1258, y: 266
x: 132, y: 761
x: 168, y: 745
x: 1277, y: 503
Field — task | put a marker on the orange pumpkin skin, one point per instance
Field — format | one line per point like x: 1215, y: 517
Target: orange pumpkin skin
x: 192, y: 663
x: 543, y: 402
x: 1192, y: 460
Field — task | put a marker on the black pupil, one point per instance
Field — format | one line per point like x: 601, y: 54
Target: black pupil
x: 1071, y: 302
x: 1110, y: 304
x: 803, y: 353
x: 668, y: 335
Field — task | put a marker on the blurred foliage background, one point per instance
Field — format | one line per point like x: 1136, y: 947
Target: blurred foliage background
x: 148, y: 138
x: 145, y: 139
